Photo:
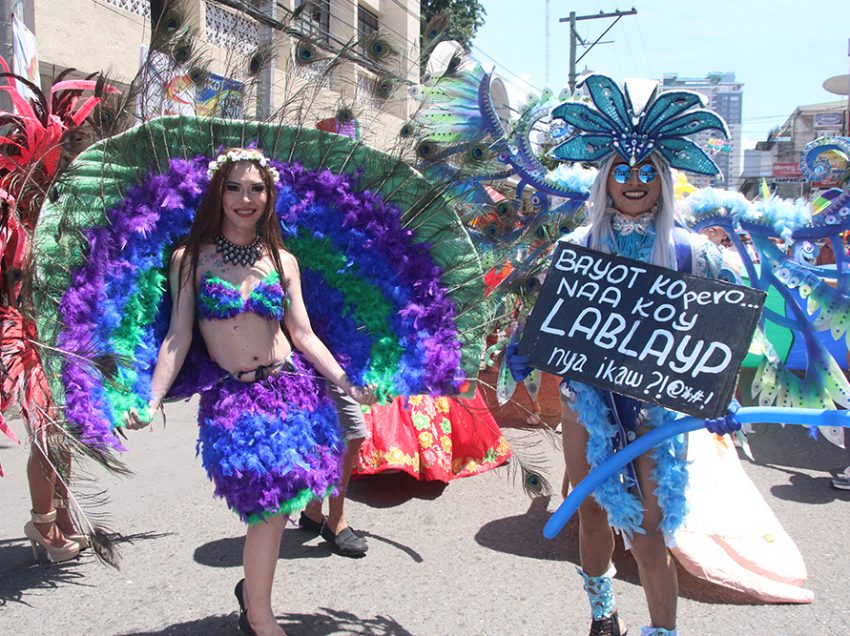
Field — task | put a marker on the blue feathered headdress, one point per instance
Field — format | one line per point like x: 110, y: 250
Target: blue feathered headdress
x: 616, y: 125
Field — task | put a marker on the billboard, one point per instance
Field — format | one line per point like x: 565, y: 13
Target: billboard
x: 220, y: 97
x: 787, y: 171
x: 833, y: 121
x: 170, y: 90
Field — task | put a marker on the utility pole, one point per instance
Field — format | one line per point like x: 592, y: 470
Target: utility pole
x: 574, y: 36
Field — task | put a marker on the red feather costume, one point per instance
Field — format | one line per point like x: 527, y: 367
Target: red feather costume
x: 30, y: 159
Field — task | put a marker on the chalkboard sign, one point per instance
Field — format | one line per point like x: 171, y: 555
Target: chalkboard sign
x: 648, y: 332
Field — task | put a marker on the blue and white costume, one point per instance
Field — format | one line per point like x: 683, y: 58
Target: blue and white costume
x: 611, y: 419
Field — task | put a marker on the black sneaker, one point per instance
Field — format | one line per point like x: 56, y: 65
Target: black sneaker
x: 310, y: 526
x: 347, y: 543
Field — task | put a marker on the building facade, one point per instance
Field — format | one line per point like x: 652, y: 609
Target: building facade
x: 724, y: 95
x: 777, y: 159
x: 316, y: 68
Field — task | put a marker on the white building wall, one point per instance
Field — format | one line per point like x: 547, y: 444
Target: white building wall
x: 89, y: 36
x: 106, y: 36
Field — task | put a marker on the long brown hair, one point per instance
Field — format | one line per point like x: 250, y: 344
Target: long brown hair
x: 208, y: 216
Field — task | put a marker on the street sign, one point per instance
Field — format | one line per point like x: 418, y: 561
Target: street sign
x: 648, y: 332
x: 829, y: 120
x: 787, y: 169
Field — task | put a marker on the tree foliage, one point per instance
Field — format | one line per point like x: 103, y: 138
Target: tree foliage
x: 465, y: 18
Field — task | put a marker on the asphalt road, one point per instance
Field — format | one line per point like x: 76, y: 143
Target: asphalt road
x: 468, y: 558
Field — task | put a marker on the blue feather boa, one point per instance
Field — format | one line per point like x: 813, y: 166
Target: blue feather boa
x: 624, y: 509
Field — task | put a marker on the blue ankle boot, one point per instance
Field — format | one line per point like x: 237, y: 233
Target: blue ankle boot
x: 658, y: 631
x: 600, y: 593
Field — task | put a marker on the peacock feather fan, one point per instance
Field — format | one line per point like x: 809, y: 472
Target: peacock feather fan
x: 392, y: 283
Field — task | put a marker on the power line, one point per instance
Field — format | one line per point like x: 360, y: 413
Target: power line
x: 279, y: 25
x: 643, y: 46
x: 629, y: 49
x: 505, y: 69
x: 763, y: 118
x: 285, y: 27
x: 574, y: 36
x: 406, y: 9
x: 384, y: 26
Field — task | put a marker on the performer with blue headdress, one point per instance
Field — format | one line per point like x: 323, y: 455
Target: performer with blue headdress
x: 636, y: 136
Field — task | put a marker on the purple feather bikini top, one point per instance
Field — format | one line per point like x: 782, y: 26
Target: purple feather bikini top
x: 219, y: 299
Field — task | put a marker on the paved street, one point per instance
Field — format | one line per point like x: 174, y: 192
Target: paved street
x: 465, y: 559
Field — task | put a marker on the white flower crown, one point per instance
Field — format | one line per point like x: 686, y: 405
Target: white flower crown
x: 247, y: 154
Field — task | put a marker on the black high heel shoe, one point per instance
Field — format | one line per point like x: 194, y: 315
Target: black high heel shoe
x: 239, y: 594
x: 244, y: 624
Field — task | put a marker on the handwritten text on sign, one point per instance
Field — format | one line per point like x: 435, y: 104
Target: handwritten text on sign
x: 644, y: 331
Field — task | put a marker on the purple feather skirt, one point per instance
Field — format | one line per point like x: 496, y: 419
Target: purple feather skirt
x: 271, y: 446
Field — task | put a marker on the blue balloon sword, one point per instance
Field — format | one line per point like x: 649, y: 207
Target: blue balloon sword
x: 615, y: 463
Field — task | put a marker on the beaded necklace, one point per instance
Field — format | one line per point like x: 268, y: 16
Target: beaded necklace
x: 238, y: 254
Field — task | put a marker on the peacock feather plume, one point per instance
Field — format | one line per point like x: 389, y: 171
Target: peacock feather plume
x: 406, y: 315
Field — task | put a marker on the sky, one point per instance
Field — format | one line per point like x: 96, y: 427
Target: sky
x: 782, y: 50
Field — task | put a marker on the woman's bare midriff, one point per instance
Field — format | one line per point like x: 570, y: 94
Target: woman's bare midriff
x: 244, y: 343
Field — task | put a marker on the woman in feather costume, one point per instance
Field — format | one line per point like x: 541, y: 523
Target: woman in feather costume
x: 34, y: 145
x: 22, y: 380
x: 637, y: 136
x: 268, y: 437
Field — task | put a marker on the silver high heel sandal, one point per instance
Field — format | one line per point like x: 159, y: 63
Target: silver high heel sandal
x: 79, y: 537
x: 56, y: 554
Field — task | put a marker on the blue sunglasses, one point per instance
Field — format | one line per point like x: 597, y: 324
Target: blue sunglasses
x: 646, y: 173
